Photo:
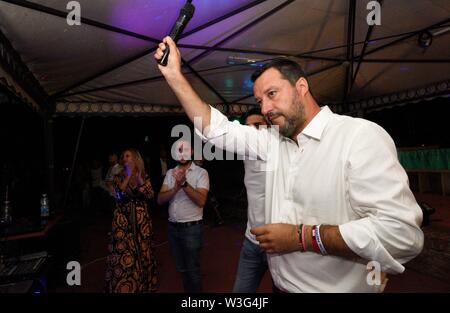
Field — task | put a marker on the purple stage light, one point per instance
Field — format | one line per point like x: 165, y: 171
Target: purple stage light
x: 155, y: 18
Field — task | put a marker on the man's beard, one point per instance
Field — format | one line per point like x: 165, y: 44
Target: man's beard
x: 290, y: 126
x: 294, y: 118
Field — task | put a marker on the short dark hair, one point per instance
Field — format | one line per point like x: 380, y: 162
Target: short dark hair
x: 290, y: 70
x: 252, y: 111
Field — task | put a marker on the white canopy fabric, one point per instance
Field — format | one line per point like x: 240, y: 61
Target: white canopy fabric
x: 106, y: 66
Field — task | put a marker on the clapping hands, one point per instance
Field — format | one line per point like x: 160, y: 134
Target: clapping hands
x: 180, y: 176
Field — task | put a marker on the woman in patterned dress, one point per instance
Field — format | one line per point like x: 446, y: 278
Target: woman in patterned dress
x: 131, y: 264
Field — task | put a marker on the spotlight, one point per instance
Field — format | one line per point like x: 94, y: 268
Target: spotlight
x: 425, y: 39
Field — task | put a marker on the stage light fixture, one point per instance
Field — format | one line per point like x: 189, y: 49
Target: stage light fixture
x: 425, y: 39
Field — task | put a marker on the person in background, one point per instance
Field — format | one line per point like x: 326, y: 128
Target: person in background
x: 253, y: 259
x: 114, y: 169
x: 131, y: 263
x: 98, y: 188
x: 186, y: 188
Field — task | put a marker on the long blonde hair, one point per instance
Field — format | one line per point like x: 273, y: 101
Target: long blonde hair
x: 139, y: 161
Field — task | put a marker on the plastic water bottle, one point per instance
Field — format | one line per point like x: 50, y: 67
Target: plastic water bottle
x: 45, y: 209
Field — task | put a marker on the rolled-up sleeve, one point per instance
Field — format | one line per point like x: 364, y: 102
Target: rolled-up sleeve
x: 236, y: 138
x: 388, y: 229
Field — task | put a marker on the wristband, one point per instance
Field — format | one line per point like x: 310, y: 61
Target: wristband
x: 319, y: 242
x: 314, y: 239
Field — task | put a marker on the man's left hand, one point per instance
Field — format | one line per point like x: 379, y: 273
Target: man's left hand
x: 277, y: 238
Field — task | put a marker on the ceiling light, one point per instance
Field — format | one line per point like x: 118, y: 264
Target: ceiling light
x: 425, y: 39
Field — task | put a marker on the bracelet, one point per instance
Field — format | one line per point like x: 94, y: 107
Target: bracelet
x: 319, y: 242
x: 300, y: 236
x: 315, y: 245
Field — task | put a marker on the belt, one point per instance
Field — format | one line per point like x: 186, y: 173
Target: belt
x: 186, y: 224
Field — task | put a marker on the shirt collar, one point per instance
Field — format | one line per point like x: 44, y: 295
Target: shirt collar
x: 317, y: 125
x: 192, y: 167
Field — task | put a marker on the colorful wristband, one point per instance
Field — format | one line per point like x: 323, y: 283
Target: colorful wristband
x: 314, y: 239
x: 303, y: 238
x: 319, y: 242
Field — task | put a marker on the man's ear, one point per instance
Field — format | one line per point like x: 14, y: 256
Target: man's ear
x: 302, y: 86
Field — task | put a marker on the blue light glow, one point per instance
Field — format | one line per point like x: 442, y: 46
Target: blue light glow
x: 247, y: 84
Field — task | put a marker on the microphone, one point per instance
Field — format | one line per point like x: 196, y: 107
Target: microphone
x: 185, y: 16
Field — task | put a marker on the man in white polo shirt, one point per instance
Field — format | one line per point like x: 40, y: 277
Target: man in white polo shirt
x: 186, y: 187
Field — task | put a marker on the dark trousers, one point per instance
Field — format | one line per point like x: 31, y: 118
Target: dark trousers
x: 185, y: 246
x: 251, y: 269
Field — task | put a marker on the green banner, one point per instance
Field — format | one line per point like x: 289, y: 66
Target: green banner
x: 432, y: 159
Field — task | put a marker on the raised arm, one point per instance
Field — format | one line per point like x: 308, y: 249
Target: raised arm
x: 211, y: 124
x: 193, y: 105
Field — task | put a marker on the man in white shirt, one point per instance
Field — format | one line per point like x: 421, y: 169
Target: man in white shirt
x: 186, y: 188
x: 337, y: 199
x: 253, y: 259
x: 114, y: 169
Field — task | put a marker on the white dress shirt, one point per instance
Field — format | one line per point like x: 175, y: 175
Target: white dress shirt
x: 344, y: 171
x: 255, y: 183
x: 181, y: 208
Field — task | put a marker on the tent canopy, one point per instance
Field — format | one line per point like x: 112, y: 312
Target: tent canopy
x: 106, y: 66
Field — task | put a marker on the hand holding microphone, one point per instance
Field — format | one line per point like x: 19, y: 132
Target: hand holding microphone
x: 185, y: 16
x: 174, y: 64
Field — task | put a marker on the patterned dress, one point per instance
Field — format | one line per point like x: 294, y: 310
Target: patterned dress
x: 131, y: 264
